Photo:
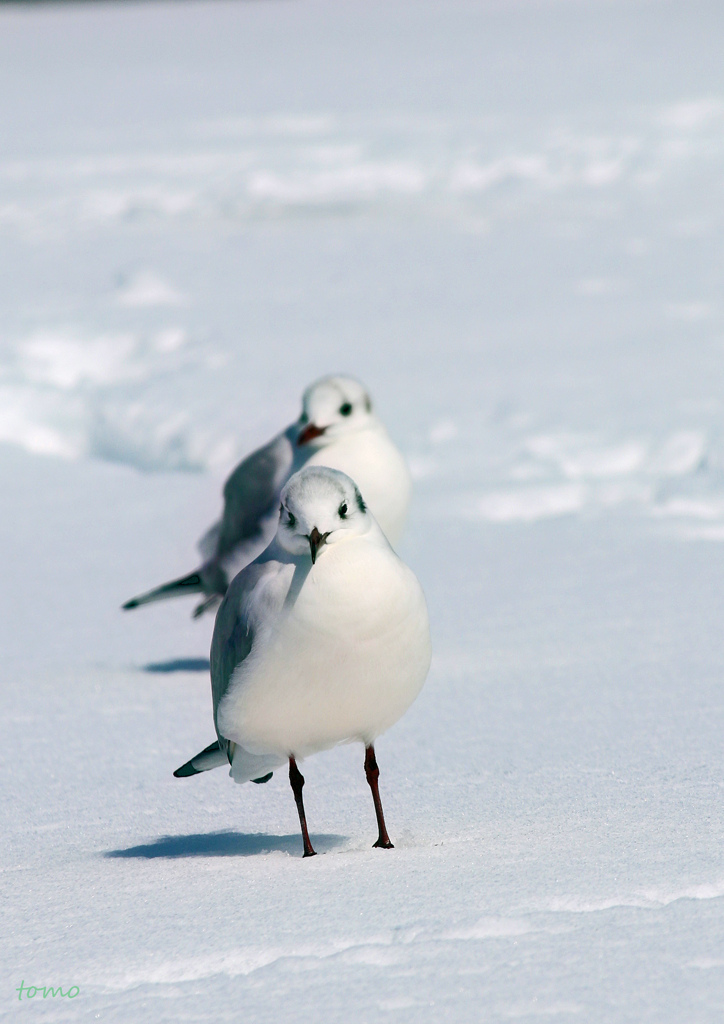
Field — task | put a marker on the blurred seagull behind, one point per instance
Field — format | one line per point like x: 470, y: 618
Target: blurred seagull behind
x: 337, y: 428
x: 323, y: 639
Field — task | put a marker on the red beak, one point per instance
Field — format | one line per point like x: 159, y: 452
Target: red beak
x: 309, y: 433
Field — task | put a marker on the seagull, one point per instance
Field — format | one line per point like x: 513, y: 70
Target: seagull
x: 337, y: 428
x: 323, y: 639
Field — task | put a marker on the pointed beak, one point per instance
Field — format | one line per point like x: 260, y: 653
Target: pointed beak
x: 309, y: 433
x: 316, y: 540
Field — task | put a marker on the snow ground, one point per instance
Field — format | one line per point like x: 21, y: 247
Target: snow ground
x: 507, y: 219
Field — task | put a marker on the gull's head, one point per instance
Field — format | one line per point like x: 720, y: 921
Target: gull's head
x: 320, y: 506
x: 331, y: 407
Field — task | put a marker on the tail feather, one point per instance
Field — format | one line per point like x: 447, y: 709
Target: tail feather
x: 212, y: 757
x: 191, y: 584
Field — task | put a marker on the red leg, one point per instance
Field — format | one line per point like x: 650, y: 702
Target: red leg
x: 297, y: 781
x: 373, y: 773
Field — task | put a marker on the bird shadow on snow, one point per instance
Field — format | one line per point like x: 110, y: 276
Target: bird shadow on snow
x: 226, y: 844
x: 179, y: 665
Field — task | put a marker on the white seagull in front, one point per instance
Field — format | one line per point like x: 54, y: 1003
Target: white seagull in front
x: 323, y: 639
x: 337, y: 428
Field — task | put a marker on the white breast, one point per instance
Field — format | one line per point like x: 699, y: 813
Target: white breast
x: 377, y: 467
x: 345, y: 663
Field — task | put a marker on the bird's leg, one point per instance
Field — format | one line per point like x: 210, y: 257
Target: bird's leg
x: 297, y: 781
x: 207, y: 603
x: 373, y: 773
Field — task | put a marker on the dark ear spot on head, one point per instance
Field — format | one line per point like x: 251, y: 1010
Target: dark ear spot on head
x: 368, y: 403
x: 360, y: 501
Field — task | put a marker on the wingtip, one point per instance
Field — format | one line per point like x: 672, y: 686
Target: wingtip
x: 133, y: 603
x: 185, y: 771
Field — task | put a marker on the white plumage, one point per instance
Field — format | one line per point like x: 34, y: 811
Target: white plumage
x: 337, y: 428
x: 324, y: 639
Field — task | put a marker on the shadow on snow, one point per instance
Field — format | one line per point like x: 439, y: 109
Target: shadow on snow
x: 179, y: 665
x: 225, y: 844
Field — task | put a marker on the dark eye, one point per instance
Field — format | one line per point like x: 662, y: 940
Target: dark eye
x: 291, y: 521
x: 346, y: 409
x: 342, y: 510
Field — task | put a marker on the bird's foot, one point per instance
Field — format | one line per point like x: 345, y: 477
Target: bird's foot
x: 383, y: 844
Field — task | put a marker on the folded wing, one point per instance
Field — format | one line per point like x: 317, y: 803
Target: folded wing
x: 251, y: 503
x: 245, y: 619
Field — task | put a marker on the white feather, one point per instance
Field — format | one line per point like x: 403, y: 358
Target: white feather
x: 330, y: 653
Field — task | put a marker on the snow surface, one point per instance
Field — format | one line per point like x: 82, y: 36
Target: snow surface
x: 507, y: 219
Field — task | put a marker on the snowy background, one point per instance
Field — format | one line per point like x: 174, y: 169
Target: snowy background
x: 507, y: 218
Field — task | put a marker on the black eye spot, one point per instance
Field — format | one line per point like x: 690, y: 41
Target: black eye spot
x: 346, y: 409
x: 291, y: 521
x: 343, y: 510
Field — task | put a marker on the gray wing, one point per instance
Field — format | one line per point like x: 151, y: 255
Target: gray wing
x: 209, y: 543
x: 251, y: 495
x: 254, y: 598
